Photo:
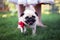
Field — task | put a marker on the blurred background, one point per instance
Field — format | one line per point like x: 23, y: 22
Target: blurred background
x: 9, y: 22
x: 55, y: 8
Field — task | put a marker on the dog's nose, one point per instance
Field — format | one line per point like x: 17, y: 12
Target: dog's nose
x: 30, y: 19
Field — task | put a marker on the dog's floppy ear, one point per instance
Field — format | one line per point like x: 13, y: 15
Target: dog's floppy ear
x: 21, y: 14
x: 36, y: 13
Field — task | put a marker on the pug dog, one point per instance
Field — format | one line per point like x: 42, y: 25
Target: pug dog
x: 30, y: 18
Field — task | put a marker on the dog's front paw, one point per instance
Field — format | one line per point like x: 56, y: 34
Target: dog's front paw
x: 20, y: 28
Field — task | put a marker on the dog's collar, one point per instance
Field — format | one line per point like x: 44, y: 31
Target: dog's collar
x: 21, y: 24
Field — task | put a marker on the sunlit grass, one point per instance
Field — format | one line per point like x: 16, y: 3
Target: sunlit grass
x: 7, y: 14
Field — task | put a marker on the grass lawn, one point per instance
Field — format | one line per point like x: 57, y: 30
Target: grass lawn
x: 9, y: 31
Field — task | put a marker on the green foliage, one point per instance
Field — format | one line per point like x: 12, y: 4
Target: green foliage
x: 11, y: 5
x: 9, y: 31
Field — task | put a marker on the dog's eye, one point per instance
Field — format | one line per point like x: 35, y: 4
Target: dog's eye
x: 33, y: 16
x: 26, y: 17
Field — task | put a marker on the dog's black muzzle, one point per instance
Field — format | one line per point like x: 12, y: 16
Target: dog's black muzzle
x: 30, y: 21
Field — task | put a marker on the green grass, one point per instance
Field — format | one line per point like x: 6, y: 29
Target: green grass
x: 9, y: 31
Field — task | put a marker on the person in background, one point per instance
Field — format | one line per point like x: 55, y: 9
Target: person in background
x: 21, y: 4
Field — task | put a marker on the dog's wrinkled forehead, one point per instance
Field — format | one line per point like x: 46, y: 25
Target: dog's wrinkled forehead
x: 29, y: 12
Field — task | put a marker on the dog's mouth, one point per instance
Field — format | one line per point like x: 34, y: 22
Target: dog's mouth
x: 30, y: 21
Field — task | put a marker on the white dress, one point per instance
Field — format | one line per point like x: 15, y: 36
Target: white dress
x: 34, y: 1
x: 31, y: 1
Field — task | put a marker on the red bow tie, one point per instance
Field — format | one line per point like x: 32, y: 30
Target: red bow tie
x: 21, y: 24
